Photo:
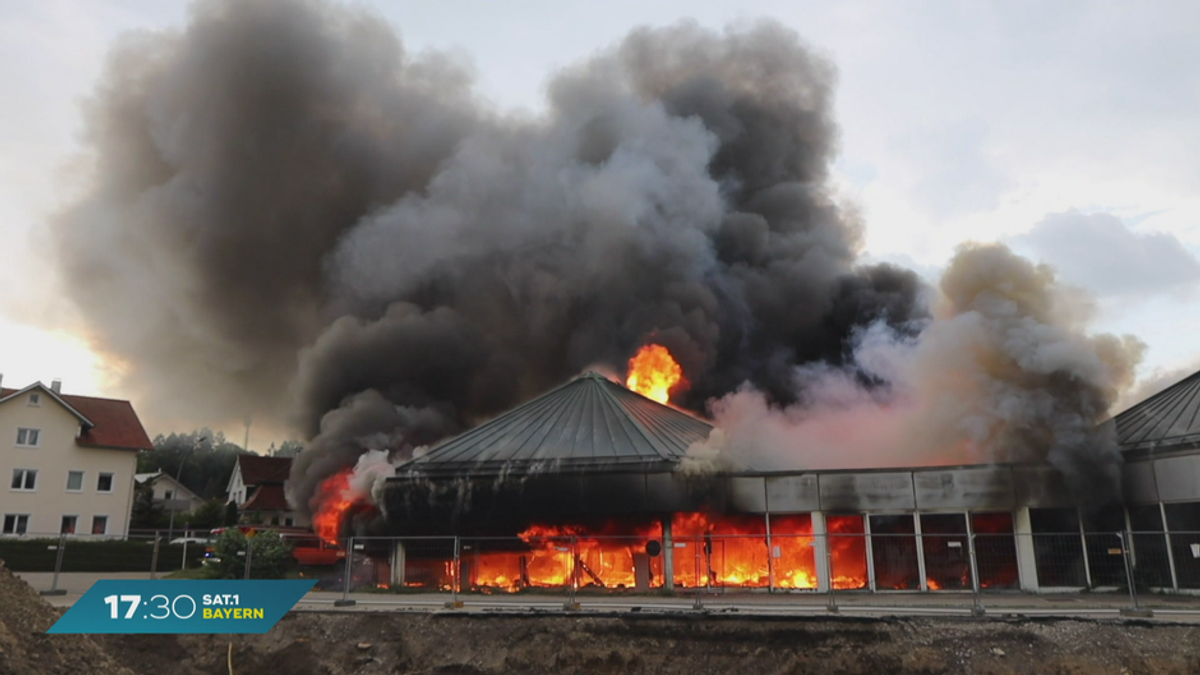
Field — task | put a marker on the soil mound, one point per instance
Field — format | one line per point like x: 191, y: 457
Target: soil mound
x: 25, y: 649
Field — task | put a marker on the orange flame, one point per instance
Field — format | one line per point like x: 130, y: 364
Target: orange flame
x: 709, y: 550
x: 333, y: 503
x: 653, y: 373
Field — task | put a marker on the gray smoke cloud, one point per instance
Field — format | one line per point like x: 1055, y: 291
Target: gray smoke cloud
x: 290, y: 215
x: 1004, y: 371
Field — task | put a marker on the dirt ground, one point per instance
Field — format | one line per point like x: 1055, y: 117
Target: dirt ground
x: 332, y: 643
x: 24, y: 645
x: 335, y: 643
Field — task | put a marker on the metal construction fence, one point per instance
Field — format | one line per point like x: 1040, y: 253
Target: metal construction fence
x: 967, y: 567
x: 961, y: 567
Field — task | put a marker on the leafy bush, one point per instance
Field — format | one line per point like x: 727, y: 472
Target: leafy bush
x: 270, y: 555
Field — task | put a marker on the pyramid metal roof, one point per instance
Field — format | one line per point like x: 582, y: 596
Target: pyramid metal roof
x: 588, y: 423
x: 1168, y: 419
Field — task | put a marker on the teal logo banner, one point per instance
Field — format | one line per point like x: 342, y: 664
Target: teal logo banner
x: 183, y: 606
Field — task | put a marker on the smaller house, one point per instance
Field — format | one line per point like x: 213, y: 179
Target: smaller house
x: 164, y: 488
x: 256, y: 486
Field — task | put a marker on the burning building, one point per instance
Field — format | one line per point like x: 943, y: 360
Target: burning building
x: 411, y: 262
x: 594, y: 473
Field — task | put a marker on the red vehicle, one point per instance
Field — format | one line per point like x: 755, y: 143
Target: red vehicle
x: 309, y: 549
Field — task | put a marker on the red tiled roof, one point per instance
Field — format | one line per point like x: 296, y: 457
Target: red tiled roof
x: 267, y: 497
x: 116, y: 424
x: 258, y: 470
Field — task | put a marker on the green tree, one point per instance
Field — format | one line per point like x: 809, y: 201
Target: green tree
x: 270, y: 558
x: 206, y: 457
x: 208, y: 515
x: 289, y: 448
x: 147, y: 514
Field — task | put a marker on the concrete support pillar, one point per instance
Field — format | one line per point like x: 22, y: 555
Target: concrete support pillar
x: 821, y: 551
x: 668, y: 553
x: 1026, y: 560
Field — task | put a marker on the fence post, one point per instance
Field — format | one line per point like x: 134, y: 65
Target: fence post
x: 346, y: 601
x: 154, y: 556
x: 573, y: 602
x: 249, y: 557
x: 697, y: 604
x: 58, y: 559
x: 456, y: 575
x: 977, y: 608
x: 831, y: 603
x: 1133, y: 609
x: 183, y: 559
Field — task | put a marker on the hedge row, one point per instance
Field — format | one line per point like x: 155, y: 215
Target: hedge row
x: 35, y: 555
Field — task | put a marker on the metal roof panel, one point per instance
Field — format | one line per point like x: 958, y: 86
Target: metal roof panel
x: 589, y: 421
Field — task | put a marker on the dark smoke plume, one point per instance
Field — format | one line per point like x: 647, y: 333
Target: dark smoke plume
x: 293, y: 216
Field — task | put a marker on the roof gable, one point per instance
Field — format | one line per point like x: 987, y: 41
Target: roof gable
x: 155, y: 477
x: 257, y: 470
x: 268, y: 497
x: 1169, y: 418
x: 107, y: 422
x: 589, y: 421
x: 9, y: 394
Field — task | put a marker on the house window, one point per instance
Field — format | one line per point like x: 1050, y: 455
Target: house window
x: 35, y: 398
x: 28, y: 438
x: 16, y: 523
x: 105, y: 483
x: 99, y: 524
x: 24, y: 480
x: 74, y: 481
x: 167, y: 494
x: 287, y: 522
x: 68, y: 524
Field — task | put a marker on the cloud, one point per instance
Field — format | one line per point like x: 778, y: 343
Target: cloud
x: 1101, y: 253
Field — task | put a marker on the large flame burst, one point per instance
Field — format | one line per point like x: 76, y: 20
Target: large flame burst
x: 653, y: 373
x: 333, y: 502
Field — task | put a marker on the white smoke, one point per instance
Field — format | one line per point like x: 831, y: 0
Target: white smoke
x: 370, y: 474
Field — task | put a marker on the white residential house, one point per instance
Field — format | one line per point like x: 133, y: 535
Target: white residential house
x: 256, y: 486
x: 67, y: 462
x: 164, y: 488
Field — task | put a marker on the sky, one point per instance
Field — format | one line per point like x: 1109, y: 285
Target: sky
x: 1067, y: 130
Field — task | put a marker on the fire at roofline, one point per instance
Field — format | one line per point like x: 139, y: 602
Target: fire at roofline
x: 363, y: 246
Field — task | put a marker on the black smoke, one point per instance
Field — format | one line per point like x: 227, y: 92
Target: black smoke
x: 290, y: 214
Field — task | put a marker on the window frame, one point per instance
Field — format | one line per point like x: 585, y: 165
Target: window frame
x: 82, y: 480
x: 112, y: 482
x: 37, y: 432
x: 74, y: 524
x: 25, y: 473
x: 16, y: 519
x: 93, y: 529
x: 35, y: 399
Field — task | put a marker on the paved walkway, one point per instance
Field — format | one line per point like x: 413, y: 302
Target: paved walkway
x: 1093, y: 605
